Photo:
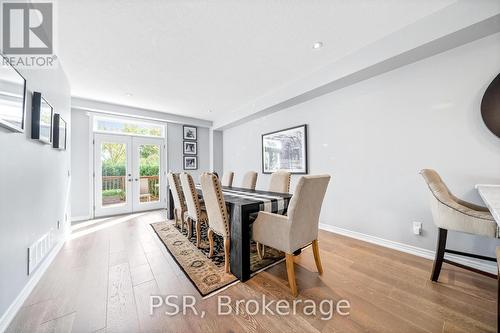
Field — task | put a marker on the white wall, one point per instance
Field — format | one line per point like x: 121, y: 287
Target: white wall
x: 34, y: 185
x: 216, y: 151
x: 175, y: 150
x: 80, y: 189
x: 81, y: 193
x: 374, y: 137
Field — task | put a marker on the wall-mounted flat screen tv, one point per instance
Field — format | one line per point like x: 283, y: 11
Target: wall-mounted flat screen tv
x: 60, y: 132
x: 41, y: 119
x: 12, y: 97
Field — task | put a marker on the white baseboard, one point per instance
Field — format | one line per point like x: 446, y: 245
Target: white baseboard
x: 418, y: 251
x: 80, y: 218
x: 14, y: 307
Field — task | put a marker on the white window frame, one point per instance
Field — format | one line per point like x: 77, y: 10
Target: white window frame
x: 96, y: 118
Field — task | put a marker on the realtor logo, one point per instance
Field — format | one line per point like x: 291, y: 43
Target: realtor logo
x: 27, y: 28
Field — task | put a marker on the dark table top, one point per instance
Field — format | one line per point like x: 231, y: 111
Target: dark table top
x: 242, y: 196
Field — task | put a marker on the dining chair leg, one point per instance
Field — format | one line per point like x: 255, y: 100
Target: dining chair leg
x: 261, y: 252
x: 317, y: 259
x: 227, y: 246
x: 438, y: 261
x: 179, y: 219
x: 211, y: 242
x: 198, y: 233
x: 176, y: 222
x: 189, y: 227
x: 291, y: 274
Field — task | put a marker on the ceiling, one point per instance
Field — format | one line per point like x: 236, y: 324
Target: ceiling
x: 206, y: 59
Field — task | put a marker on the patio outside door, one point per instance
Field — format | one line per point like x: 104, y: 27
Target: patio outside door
x: 129, y: 174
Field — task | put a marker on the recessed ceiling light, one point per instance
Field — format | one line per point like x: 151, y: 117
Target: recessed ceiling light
x: 317, y: 45
x: 128, y: 94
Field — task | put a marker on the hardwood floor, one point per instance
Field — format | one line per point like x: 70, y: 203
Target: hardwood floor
x: 103, y: 278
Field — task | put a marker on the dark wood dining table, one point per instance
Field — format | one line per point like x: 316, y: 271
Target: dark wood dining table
x: 243, y: 204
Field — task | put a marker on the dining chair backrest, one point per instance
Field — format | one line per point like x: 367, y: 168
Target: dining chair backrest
x: 176, y: 189
x: 144, y: 186
x: 249, y: 180
x: 192, y: 200
x: 227, y: 178
x: 280, y: 182
x: 452, y: 213
x: 215, y: 204
x: 305, y: 207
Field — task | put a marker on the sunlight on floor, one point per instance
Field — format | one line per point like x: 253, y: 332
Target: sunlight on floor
x: 85, y: 228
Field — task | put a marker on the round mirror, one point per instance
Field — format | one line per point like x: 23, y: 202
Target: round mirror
x: 490, y: 106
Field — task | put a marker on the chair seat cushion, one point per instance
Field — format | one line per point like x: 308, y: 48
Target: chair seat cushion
x: 203, y: 216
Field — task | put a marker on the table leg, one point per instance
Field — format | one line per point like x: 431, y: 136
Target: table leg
x: 170, y: 206
x: 240, y: 243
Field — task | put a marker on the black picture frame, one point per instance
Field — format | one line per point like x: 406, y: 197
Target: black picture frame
x: 187, y: 165
x: 9, y: 95
x: 190, y: 147
x: 304, y: 146
x: 60, y: 136
x: 190, y: 133
x: 42, y: 119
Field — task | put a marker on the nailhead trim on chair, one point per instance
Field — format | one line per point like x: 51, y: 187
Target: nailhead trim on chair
x: 177, y: 190
x: 196, y: 200
x: 222, y: 205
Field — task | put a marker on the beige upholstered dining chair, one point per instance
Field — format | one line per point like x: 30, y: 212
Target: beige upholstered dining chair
x: 227, y: 179
x: 194, y: 213
x: 451, y: 213
x: 280, y: 182
x: 217, y: 214
x: 249, y: 180
x: 178, y: 196
x: 298, y: 229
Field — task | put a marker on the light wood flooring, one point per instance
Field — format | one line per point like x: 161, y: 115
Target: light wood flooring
x: 102, y: 279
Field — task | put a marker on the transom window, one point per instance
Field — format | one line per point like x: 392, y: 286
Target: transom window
x: 128, y: 127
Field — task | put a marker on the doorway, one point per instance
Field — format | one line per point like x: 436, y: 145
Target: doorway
x: 129, y: 174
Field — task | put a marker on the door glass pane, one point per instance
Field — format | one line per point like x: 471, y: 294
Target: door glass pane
x: 114, y: 169
x: 149, y: 168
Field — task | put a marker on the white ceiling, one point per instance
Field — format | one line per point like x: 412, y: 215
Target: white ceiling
x: 189, y: 57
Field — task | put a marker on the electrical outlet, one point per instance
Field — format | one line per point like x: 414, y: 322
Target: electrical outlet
x: 417, y: 228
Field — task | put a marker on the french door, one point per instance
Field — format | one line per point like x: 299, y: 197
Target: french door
x: 129, y: 174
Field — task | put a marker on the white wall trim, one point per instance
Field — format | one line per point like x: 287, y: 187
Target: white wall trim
x: 80, y: 218
x: 18, y: 302
x: 417, y: 251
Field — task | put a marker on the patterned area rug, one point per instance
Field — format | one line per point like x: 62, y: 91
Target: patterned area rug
x: 206, y: 274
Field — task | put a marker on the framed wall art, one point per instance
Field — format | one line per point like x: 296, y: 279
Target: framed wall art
x: 285, y: 150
